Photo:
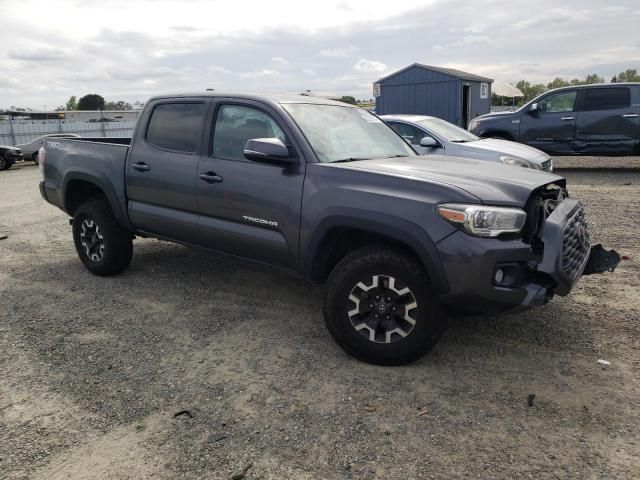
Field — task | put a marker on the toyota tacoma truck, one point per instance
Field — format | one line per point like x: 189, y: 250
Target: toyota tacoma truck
x: 329, y: 192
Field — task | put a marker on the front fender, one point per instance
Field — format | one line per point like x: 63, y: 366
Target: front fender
x: 389, y: 226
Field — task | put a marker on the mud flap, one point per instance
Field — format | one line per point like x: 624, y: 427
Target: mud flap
x: 601, y: 260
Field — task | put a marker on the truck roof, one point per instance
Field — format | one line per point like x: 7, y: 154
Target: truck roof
x: 277, y: 98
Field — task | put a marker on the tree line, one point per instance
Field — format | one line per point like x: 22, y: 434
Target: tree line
x: 93, y: 101
x: 531, y: 90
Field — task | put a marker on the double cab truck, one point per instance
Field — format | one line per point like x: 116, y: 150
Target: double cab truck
x: 578, y: 120
x: 327, y: 191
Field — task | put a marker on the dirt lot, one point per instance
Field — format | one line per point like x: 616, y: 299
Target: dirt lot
x: 95, y: 370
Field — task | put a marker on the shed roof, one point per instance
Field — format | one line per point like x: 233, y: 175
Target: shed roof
x: 447, y: 71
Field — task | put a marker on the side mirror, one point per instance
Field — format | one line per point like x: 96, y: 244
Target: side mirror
x: 533, y: 108
x: 428, y: 142
x: 269, y: 150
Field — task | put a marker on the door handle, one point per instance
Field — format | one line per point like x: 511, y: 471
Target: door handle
x: 211, y: 177
x: 568, y: 118
x: 630, y: 115
x: 141, y: 167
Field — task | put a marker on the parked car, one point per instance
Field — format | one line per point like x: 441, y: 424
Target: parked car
x: 30, y: 150
x: 578, y: 120
x: 9, y: 156
x: 326, y: 190
x: 431, y: 135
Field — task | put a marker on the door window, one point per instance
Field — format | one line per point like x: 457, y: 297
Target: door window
x: 606, y: 98
x: 235, y: 124
x: 411, y: 134
x: 558, y: 102
x: 176, y: 126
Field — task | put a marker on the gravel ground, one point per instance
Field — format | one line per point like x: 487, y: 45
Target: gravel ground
x: 96, y: 371
x: 596, y: 162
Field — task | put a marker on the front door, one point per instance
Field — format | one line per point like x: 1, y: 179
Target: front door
x: 607, y: 123
x: 551, y: 128
x: 248, y: 208
x: 162, y: 168
x: 413, y: 135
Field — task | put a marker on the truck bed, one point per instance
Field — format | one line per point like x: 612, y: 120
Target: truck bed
x: 100, y: 159
x: 114, y: 140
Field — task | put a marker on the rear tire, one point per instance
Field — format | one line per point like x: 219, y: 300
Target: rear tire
x: 102, y: 244
x: 380, y: 308
x: 34, y: 157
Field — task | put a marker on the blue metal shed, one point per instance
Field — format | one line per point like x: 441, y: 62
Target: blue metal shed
x: 446, y: 93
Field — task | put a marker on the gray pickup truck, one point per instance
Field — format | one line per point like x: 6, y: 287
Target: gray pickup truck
x: 327, y: 191
x: 578, y: 120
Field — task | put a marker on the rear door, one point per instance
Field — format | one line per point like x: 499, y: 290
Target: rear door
x: 552, y: 127
x: 606, y: 121
x: 248, y: 208
x: 162, y: 170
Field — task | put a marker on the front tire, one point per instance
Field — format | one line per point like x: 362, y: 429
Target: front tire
x: 380, y: 308
x: 102, y: 244
x: 4, y: 163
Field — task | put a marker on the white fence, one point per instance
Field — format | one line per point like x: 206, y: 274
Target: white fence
x: 18, y: 131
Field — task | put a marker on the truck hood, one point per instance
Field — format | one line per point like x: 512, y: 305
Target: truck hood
x: 507, y: 147
x: 491, y: 183
x: 494, y: 115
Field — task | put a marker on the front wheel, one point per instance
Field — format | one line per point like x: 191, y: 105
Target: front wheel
x: 380, y: 309
x: 102, y: 244
x: 4, y: 163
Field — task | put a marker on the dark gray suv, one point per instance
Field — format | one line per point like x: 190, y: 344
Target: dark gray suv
x: 578, y: 120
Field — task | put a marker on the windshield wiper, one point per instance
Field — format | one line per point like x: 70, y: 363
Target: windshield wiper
x: 401, y: 155
x: 459, y: 141
x: 350, y: 159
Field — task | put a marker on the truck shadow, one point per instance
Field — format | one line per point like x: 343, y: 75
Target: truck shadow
x: 204, y: 289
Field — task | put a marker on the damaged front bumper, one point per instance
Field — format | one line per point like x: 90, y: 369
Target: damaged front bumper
x: 495, y: 276
x: 567, y: 248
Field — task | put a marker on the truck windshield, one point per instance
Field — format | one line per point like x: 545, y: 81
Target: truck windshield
x: 346, y: 134
x: 448, y: 131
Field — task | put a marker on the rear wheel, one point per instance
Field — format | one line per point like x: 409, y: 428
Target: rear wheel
x: 102, y: 244
x: 379, y: 307
x: 34, y: 157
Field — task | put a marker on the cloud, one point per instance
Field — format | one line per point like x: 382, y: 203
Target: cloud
x: 182, y: 49
x: 280, y: 61
x: 370, y: 66
x: 266, y: 73
x: 38, y: 55
x: 340, y: 52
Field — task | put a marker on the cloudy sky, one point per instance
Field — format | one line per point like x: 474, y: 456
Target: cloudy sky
x: 131, y: 49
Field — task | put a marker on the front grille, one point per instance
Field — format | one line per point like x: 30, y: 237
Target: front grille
x: 576, y: 243
x: 546, y: 166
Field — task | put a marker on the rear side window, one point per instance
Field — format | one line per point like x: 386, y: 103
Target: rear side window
x: 606, y: 98
x: 176, y: 126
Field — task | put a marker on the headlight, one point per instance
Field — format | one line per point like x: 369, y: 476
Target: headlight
x: 518, y: 162
x: 473, y: 124
x: 483, y: 220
